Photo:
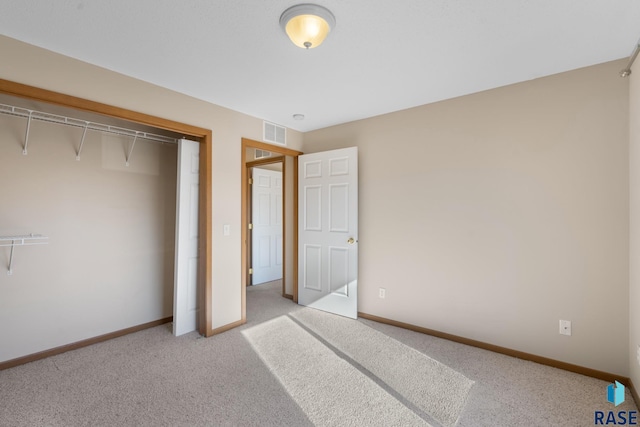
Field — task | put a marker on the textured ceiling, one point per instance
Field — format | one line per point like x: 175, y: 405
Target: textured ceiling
x: 382, y: 56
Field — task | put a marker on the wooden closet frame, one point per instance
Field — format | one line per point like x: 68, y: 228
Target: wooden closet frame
x: 204, y: 136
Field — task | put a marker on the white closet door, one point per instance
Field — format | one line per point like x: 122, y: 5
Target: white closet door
x: 185, y: 306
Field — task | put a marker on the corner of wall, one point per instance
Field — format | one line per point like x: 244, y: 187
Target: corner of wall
x: 634, y: 226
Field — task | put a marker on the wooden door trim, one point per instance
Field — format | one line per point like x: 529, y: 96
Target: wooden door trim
x: 248, y: 240
x: 244, y: 222
x: 204, y: 136
x: 269, y: 161
x: 295, y: 229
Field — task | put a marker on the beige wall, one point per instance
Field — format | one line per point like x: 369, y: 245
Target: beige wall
x: 108, y: 263
x: 30, y: 65
x: 494, y: 215
x: 634, y: 235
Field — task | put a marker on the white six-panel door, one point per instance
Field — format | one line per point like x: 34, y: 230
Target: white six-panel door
x: 186, y: 259
x: 266, y: 217
x: 328, y: 231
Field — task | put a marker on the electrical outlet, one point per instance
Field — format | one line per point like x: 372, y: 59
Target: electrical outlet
x: 565, y: 327
x: 226, y: 229
x: 382, y: 293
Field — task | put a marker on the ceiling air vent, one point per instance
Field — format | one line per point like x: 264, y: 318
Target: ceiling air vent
x: 274, y: 133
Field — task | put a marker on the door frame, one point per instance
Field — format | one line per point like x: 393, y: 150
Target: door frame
x: 244, y: 222
x: 204, y: 136
x: 250, y: 166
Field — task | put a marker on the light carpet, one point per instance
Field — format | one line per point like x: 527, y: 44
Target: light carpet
x: 430, y: 385
x: 151, y: 378
x: 328, y: 389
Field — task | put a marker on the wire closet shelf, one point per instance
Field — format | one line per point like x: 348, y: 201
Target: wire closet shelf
x: 30, y: 115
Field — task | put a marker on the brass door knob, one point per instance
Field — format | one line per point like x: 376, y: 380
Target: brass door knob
x: 351, y: 241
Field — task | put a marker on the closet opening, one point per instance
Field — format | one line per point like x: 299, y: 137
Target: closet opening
x: 103, y: 180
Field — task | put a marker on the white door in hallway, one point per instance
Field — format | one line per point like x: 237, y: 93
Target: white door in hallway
x: 266, y: 217
x: 328, y: 231
x: 185, y: 306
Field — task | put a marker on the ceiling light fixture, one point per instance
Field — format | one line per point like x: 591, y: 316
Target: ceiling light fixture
x: 298, y: 117
x: 307, y: 25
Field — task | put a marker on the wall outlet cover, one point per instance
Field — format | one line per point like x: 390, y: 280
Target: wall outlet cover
x: 565, y: 327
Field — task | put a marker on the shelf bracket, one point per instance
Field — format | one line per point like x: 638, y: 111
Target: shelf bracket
x: 23, y: 240
x: 133, y: 144
x: 26, y: 135
x: 84, y: 134
x: 10, y: 272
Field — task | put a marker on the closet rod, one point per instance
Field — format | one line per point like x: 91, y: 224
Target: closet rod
x: 70, y: 121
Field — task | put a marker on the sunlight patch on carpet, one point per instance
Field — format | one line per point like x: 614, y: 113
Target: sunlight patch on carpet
x: 326, y: 387
x: 432, y: 386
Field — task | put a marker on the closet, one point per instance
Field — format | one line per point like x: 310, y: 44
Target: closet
x: 98, y: 196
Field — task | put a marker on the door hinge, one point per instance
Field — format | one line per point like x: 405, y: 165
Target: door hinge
x: 250, y: 181
x: 250, y: 226
x: 251, y: 271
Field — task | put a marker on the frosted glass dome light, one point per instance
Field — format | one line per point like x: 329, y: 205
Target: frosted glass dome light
x: 307, y: 25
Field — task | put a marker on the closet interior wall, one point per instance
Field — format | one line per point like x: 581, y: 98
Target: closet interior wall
x: 109, y: 261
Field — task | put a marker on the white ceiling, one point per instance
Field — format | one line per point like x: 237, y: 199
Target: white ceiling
x: 382, y: 56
